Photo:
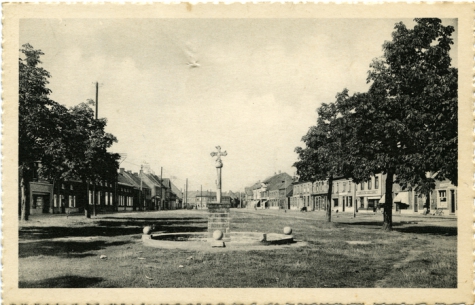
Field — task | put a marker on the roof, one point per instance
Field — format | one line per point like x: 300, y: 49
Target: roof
x: 176, y: 191
x: 278, y: 181
x: 124, y: 180
x: 153, y: 179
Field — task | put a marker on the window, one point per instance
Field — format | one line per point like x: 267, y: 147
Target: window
x: 442, y: 199
x: 337, y: 187
x: 72, y: 201
x: 362, y: 185
x: 349, y: 186
x: 90, y: 197
x: 55, y: 200
x: 370, y: 184
x: 344, y: 187
x: 376, y: 183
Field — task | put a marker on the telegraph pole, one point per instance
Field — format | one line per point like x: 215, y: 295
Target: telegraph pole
x: 186, y: 191
x: 140, y: 193
x: 94, y: 186
x: 161, y: 179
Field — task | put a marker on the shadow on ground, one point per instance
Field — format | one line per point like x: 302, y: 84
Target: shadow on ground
x: 72, y: 281
x: 156, y: 219
x: 366, y: 223
x: 110, y: 228
x: 433, y: 230
x: 64, y: 249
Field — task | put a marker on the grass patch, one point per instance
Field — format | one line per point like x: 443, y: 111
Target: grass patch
x: 60, y: 252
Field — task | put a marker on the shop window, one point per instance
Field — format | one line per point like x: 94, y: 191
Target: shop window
x: 442, y: 199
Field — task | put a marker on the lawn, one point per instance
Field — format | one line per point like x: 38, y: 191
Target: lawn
x: 56, y: 251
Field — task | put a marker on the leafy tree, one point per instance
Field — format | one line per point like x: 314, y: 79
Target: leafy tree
x: 36, y: 124
x: 93, y: 162
x: 67, y: 143
x: 406, y: 124
x: 323, y: 157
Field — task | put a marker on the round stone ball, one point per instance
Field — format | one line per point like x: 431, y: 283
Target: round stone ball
x: 147, y: 230
x: 287, y: 230
x: 218, y: 234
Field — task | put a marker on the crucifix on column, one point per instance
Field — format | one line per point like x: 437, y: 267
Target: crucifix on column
x: 219, y: 165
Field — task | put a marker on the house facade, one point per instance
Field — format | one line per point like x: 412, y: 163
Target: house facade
x: 301, y: 196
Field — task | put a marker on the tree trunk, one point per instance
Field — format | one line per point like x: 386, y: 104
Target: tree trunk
x: 60, y: 201
x: 86, y: 206
x: 25, y: 206
x: 51, y: 205
x: 329, y: 199
x: 388, y: 205
x: 427, y: 204
x: 94, y: 198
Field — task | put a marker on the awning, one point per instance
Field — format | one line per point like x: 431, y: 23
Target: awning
x: 383, y: 199
x: 374, y: 198
x: 402, y: 197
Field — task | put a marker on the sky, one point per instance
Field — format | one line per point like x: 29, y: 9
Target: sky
x: 174, y: 89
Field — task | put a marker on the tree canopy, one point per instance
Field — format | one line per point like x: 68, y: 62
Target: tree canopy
x: 68, y: 143
x: 405, y: 126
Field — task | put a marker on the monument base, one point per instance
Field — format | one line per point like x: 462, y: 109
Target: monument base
x: 218, y: 244
x: 218, y: 219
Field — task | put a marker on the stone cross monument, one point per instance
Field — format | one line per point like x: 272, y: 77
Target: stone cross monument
x: 219, y: 166
x: 218, y: 212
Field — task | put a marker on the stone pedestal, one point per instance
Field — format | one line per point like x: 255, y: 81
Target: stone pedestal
x: 218, y: 219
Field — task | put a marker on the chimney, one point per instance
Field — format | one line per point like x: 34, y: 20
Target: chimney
x: 141, y: 170
x: 121, y: 170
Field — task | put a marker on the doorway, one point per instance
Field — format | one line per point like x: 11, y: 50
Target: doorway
x: 452, y: 201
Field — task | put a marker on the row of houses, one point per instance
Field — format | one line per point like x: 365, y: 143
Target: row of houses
x: 130, y: 191
x: 282, y: 192
x: 200, y: 199
x: 271, y: 193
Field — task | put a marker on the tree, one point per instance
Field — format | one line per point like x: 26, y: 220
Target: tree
x: 323, y: 156
x: 36, y: 124
x: 406, y: 124
x: 93, y: 163
x: 67, y: 143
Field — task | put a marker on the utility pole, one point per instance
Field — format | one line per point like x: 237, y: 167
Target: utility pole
x: 161, y: 193
x: 94, y: 186
x: 140, y: 193
x: 186, y: 191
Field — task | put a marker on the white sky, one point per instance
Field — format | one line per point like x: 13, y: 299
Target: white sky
x: 255, y: 92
